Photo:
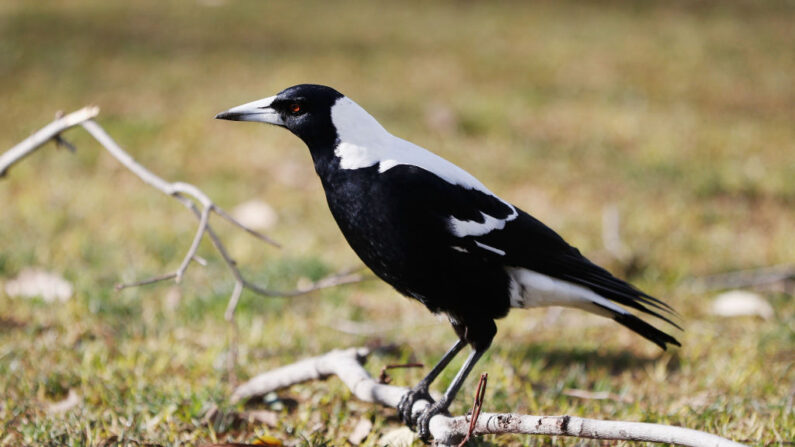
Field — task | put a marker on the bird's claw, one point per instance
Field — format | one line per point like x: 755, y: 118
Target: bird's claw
x: 406, y: 403
x: 424, y: 421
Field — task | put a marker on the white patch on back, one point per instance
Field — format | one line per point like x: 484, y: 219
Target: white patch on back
x: 364, y: 142
x: 490, y: 248
x: 532, y: 289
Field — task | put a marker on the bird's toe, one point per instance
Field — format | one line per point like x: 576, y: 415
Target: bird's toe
x: 407, y: 404
x: 424, y: 421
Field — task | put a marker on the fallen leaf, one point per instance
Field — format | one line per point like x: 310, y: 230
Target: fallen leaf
x: 361, y: 431
x: 738, y: 303
x: 114, y: 441
x: 402, y: 437
x: 269, y: 418
x: 264, y: 440
x: 72, y: 400
x: 255, y: 214
x: 32, y: 282
x: 268, y: 441
x: 10, y: 323
x: 109, y: 442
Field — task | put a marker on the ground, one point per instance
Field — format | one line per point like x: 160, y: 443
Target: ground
x: 678, y: 114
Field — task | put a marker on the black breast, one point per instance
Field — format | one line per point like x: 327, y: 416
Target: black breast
x: 397, y: 223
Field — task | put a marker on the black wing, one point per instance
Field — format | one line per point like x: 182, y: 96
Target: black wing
x: 476, y: 223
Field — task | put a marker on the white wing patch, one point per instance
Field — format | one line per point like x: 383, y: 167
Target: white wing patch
x: 532, y: 289
x: 463, y: 228
x: 490, y: 248
x: 363, y: 142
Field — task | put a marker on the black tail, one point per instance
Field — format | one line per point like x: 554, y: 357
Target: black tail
x: 645, y: 329
x: 602, y: 282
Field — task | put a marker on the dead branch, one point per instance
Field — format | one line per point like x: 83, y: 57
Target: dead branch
x: 348, y: 366
x: 45, y: 134
x: 187, y: 194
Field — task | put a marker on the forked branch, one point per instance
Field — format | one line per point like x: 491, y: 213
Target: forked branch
x: 449, y: 431
x: 187, y: 194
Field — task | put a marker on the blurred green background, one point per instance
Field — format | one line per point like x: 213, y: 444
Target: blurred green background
x: 678, y: 114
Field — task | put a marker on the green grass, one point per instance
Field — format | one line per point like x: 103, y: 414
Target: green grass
x: 679, y: 113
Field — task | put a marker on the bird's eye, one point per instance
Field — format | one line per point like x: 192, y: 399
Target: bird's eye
x: 296, y: 108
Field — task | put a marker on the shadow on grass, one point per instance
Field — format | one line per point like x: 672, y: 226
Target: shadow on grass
x: 613, y: 361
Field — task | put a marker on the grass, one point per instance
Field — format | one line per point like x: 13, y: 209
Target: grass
x: 678, y: 113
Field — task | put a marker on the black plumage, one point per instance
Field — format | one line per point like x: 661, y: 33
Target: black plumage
x: 436, y: 234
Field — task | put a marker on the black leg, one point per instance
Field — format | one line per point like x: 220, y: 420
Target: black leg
x: 440, y: 407
x: 421, y: 390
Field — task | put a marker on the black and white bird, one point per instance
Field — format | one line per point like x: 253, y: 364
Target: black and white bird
x: 438, y: 235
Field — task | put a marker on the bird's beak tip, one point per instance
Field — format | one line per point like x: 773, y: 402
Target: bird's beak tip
x: 226, y: 116
x: 257, y: 111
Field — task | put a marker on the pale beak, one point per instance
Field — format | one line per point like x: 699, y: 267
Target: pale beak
x: 259, y: 111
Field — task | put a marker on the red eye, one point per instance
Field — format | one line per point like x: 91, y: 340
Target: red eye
x: 295, y: 108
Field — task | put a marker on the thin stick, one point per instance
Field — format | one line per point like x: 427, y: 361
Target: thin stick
x: 449, y: 431
x: 477, y: 405
x: 205, y: 217
x: 383, y: 377
x: 229, y: 315
x: 148, y: 281
x: 248, y: 230
x: 42, y: 136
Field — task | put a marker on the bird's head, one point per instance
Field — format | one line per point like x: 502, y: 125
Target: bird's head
x: 304, y: 110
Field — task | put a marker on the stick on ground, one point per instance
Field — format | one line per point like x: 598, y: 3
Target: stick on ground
x: 449, y: 431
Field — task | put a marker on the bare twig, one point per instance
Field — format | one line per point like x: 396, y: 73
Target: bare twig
x: 45, y: 134
x: 187, y: 194
x: 477, y: 405
x: 145, y: 282
x: 383, y: 377
x: 347, y: 365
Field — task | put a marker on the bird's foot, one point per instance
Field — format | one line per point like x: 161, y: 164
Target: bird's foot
x: 404, y: 407
x: 424, y: 421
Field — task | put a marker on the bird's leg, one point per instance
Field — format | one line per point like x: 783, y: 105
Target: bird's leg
x: 424, y: 420
x: 420, y: 391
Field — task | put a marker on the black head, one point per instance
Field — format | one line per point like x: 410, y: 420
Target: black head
x: 304, y: 109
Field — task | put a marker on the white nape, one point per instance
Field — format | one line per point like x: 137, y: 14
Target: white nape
x: 532, y: 289
x: 364, y: 142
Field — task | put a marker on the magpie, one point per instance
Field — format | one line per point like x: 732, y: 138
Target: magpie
x: 436, y: 234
